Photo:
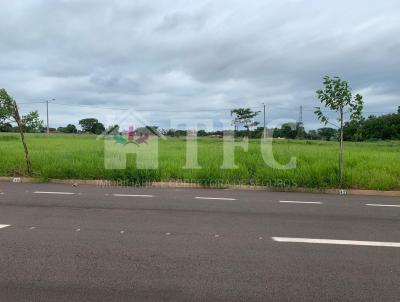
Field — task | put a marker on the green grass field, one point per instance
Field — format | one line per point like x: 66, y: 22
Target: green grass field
x: 372, y: 165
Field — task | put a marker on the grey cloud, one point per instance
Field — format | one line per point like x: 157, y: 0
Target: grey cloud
x: 189, y: 54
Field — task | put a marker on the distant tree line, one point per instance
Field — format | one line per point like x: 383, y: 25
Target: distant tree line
x: 384, y: 127
x: 287, y: 131
x: 31, y: 123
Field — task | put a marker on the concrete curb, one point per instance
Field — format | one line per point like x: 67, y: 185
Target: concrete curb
x: 178, y: 184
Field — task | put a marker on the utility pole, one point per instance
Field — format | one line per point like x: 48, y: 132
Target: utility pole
x: 300, y: 123
x: 265, y: 132
x: 301, y: 114
x: 47, y: 112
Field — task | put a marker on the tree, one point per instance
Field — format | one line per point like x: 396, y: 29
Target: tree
x: 287, y: 130
x: 202, y: 133
x: 382, y: 127
x: 353, y: 130
x: 71, y: 129
x: 179, y: 133
x: 68, y: 129
x: 327, y: 133
x: 313, y: 135
x: 91, y: 125
x: 6, y: 127
x: 99, y: 128
x: 337, y: 96
x: 88, y: 124
x: 32, y: 122
x: 9, y: 112
x: 245, y: 117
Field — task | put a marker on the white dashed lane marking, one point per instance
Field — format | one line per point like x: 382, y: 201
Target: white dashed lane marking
x: 300, y: 202
x: 132, y: 195
x: 383, y: 205
x: 214, y: 198
x: 2, y: 226
x: 337, y: 242
x: 56, y: 193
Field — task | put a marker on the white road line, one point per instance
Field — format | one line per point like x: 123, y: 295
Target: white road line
x: 214, y: 198
x: 383, y: 205
x: 2, y: 226
x: 131, y: 195
x: 57, y: 193
x: 334, y: 241
x: 301, y: 202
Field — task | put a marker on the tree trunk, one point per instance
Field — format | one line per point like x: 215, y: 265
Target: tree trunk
x: 21, y: 132
x: 341, y: 149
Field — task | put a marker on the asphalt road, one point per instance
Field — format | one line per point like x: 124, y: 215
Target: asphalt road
x: 63, y: 243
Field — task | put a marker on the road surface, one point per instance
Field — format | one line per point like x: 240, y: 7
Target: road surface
x: 63, y: 243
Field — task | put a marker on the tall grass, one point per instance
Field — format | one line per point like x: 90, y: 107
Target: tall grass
x: 368, y: 165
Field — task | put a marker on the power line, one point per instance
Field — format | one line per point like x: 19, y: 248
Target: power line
x: 193, y: 110
x: 28, y: 103
x: 153, y: 110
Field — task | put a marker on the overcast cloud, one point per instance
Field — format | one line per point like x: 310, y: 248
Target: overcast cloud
x: 195, y: 55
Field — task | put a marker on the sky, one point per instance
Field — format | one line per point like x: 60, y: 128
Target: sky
x: 171, y: 60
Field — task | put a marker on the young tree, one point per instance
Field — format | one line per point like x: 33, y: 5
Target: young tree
x: 245, y: 117
x: 9, y: 112
x: 32, y: 122
x: 337, y: 96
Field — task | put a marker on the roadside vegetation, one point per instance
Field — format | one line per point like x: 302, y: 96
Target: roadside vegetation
x: 369, y: 165
x: 369, y: 160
